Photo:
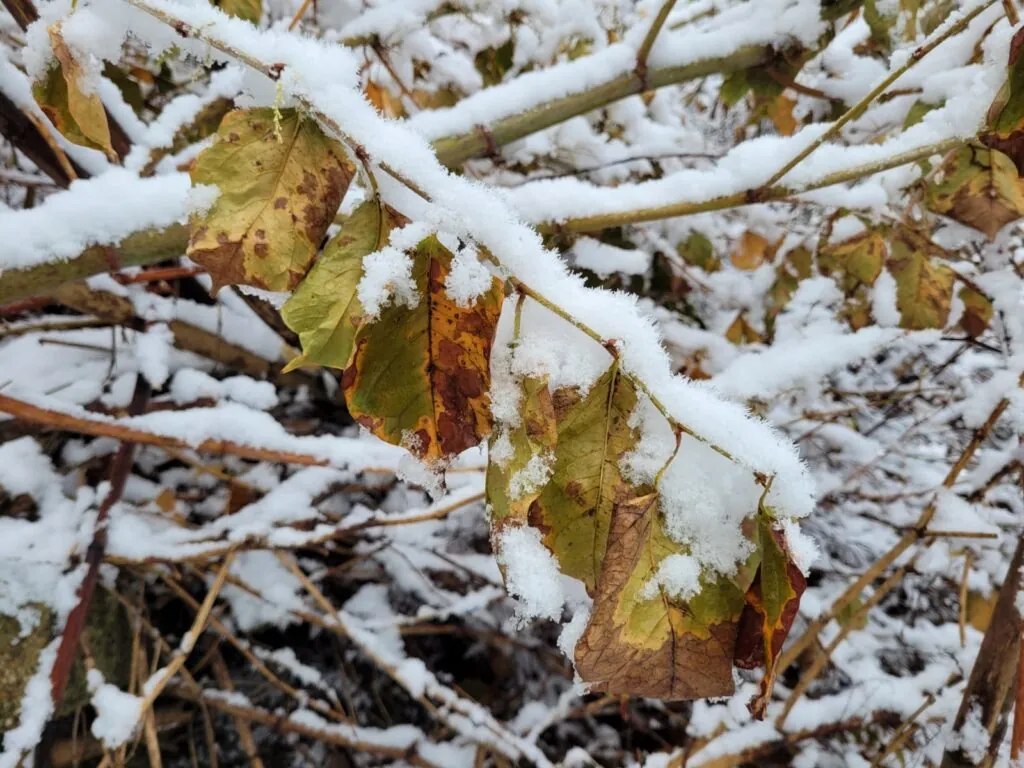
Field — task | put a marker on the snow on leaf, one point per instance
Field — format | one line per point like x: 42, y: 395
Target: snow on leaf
x: 535, y: 437
x: 69, y: 102
x: 924, y: 288
x: 248, y: 10
x: 979, y: 188
x: 419, y: 376
x: 643, y: 644
x: 772, y: 601
x: 325, y: 310
x: 280, y: 185
x: 574, y: 510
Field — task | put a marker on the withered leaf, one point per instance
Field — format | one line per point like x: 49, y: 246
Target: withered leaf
x: 280, y: 186
x: 510, y: 489
x: 69, y: 102
x: 1004, y: 130
x: 772, y: 602
x: 325, y: 310
x: 796, y: 266
x: 657, y: 646
x: 977, y: 311
x: 419, y: 376
x: 980, y: 188
x: 856, y: 261
x: 924, y: 287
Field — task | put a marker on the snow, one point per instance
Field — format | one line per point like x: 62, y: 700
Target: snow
x: 532, y: 477
x: 678, y: 576
x: 152, y: 353
x: 117, y: 712
x: 101, y: 210
x: 531, y: 573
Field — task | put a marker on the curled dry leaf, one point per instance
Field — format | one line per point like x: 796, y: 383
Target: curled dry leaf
x: 1004, y: 130
x: 325, y: 310
x: 772, y: 601
x: 977, y: 311
x: 70, y: 102
x: 439, y: 406
x: 280, y: 186
x: 924, y: 287
x: 980, y: 188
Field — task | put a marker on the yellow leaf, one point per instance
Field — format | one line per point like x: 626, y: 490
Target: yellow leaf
x: 324, y: 310
x: 382, y: 99
x: 781, y: 113
x: 280, y: 186
x: 924, y: 288
x: 62, y: 95
x: 741, y: 332
x: 419, y: 377
x: 751, y: 252
x: 856, y: 261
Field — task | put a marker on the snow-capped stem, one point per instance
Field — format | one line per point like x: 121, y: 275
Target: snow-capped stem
x: 455, y: 150
x: 609, y: 344
x: 752, y: 196
x: 858, y: 109
x: 652, y: 35
x: 145, y: 247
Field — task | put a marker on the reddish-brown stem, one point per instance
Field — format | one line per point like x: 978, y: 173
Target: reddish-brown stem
x: 120, y: 468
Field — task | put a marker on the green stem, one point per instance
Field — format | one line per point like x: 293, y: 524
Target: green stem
x: 747, y: 196
x: 454, y: 150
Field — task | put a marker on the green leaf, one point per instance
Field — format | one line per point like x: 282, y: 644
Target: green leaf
x: 247, y: 10
x: 79, y: 115
x: 698, y: 251
x: 574, y: 509
x: 924, y: 288
x: 419, y: 377
x: 281, y: 181
x: 325, y: 310
x: 772, y: 602
x: 643, y: 644
x: 1004, y: 130
x: 854, y: 262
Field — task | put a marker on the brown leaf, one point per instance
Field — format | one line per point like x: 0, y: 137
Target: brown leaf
x: 654, y: 647
x: 751, y: 252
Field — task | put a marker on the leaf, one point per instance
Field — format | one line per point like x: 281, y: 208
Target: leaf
x: 655, y: 646
x: 279, y: 190
x: 979, y: 188
x: 574, y: 510
x: 1004, y: 130
x: 854, y: 262
x: 381, y: 98
x: 796, y: 266
x: 780, y: 110
x: 247, y: 10
x: 771, y: 606
x: 419, y: 376
x: 510, y: 485
x: 325, y: 310
x: 697, y: 251
x: 493, y: 63
x: 977, y: 312
x: 69, y: 102
x: 741, y: 332
x: 924, y: 289
x: 751, y: 252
